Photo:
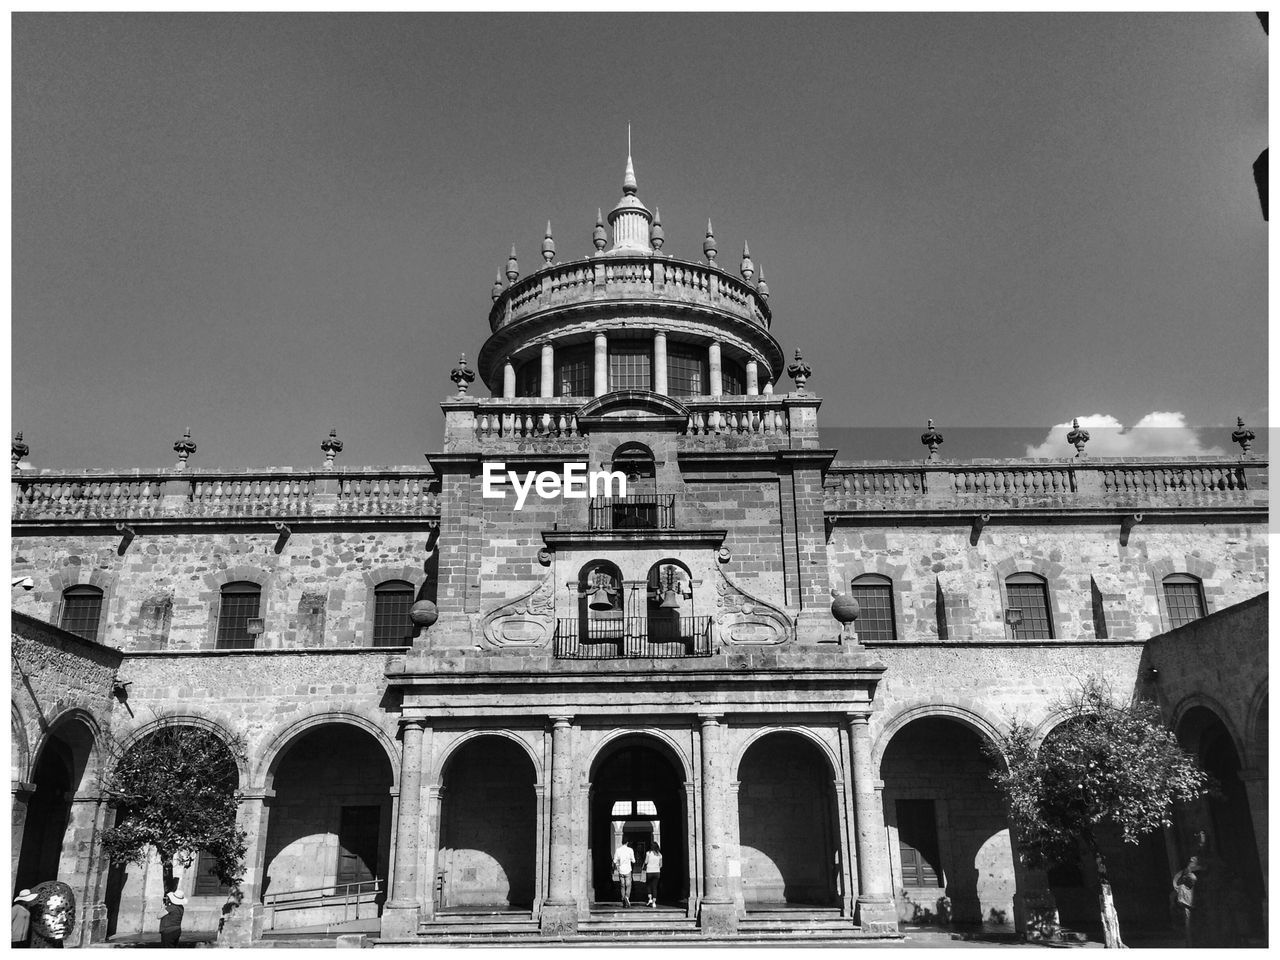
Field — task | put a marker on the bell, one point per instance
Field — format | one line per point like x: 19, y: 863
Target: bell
x: 671, y: 601
x: 600, y: 600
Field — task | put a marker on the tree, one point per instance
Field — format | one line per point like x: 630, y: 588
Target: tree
x: 1107, y: 765
x: 175, y: 792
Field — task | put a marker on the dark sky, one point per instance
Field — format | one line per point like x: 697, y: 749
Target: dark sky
x: 261, y: 226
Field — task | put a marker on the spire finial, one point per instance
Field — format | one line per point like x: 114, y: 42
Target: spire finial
x: 462, y: 374
x: 1241, y: 435
x: 1077, y: 437
x: 184, y: 448
x: 548, y: 245
x: 629, y: 185
x: 800, y: 371
x: 709, y: 245
x: 331, y: 447
x: 598, y: 235
x: 746, y: 268
x: 513, y: 266
x: 496, y: 292
x: 657, y: 236
x: 762, y: 287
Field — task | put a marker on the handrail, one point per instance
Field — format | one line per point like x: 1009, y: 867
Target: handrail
x: 318, y: 898
x: 617, y: 638
x: 639, y: 511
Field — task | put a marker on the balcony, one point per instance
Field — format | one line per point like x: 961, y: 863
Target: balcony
x: 619, y: 638
x: 644, y: 511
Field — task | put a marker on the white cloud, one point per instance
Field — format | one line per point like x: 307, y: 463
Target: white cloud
x: 1158, y: 434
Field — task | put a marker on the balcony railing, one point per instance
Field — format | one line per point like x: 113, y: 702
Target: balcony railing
x: 617, y: 638
x: 642, y: 511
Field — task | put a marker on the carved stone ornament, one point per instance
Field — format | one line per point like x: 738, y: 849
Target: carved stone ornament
x: 462, y: 375
x: 743, y: 619
x: 932, y: 439
x: 526, y: 621
x: 1077, y: 437
x: 1241, y: 435
x: 800, y: 372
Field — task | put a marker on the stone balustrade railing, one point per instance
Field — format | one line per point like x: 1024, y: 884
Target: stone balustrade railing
x: 763, y: 414
x: 1195, y: 481
x: 174, y: 495
x: 629, y: 278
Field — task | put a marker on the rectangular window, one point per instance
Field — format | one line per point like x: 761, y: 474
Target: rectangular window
x: 630, y: 365
x: 686, y: 370
x: 1184, y: 601
x: 875, y: 614
x: 733, y: 381
x: 576, y: 369
x: 918, y: 843
x: 391, y: 624
x: 529, y: 379
x: 358, y: 844
x: 81, y: 611
x: 237, y: 609
x: 1031, y: 600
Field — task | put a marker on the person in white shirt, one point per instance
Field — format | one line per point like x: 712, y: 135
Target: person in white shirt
x: 624, y: 859
x: 652, y: 868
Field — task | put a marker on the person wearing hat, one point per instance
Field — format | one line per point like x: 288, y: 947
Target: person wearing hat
x: 20, y: 920
x: 171, y: 920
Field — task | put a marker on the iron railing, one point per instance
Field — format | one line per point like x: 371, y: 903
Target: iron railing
x: 616, y: 638
x: 351, y: 896
x: 642, y: 511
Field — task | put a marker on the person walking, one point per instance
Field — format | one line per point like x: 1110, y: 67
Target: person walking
x: 652, y: 868
x: 171, y: 921
x: 624, y: 859
x: 20, y: 920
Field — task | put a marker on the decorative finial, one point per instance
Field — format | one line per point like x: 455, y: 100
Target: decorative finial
x: 496, y: 292
x: 709, y: 245
x: 19, y: 450
x: 513, y: 267
x: 184, y: 448
x: 629, y: 185
x: 1077, y: 437
x: 598, y: 236
x: 932, y: 439
x: 548, y: 245
x: 331, y: 446
x: 746, y: 268
x: 1241, y: 435
x: 762, y: 288
x: 462, y: 374
x: 657, y: 236
x: 799, y: 371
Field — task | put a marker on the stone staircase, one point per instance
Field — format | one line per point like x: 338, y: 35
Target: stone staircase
x: 612, y: 922
x: 480, y: 926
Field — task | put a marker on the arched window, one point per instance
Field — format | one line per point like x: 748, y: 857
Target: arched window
x: 670, y: 608
x: 1183, y: 598
x: 600, y: 603
x: 391, y: 603
x: 81, y: 611
x: 239, y: 605
x: 874, y: 594
x: 1028, y: 610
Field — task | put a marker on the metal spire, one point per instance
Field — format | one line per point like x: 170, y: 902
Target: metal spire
x: 629, y: 185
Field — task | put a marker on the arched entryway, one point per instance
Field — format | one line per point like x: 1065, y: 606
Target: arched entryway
x: 487, y: 856
x: 788, y: 830
x: 638, y: 794
x: 328, y: 828
x: 949, y: 846
x: 1226, y: 819
x: 49, y: 848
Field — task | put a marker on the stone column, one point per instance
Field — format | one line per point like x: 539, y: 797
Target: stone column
x: 753, y: 378
x: 716, y: 374
x: 602, y: 365
x: 246, y: 920
x: 400, y: 914
x: 876, y: 910
x: 560, y: 910
x: 508, y: 380
x: 717, y: 914
x: 660, y: 363
x: 547, y: 383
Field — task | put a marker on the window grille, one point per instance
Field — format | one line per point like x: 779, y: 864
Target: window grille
x: 240, y: 603
x: 687, y: 374
x: 391, y: 624
x: 875, y: 602
x: 529, y: 378
x: 1029, y: 595
x: 576, y: 366
x: 81, y: 611
x: 733, y: 381
x: 1183, y: 599
x: 630, y: 365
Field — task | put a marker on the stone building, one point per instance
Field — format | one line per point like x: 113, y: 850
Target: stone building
x: 455, y: 709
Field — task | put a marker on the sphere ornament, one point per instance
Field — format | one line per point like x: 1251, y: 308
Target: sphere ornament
x: 1241, y: 435
x: 18, y: 450
x: 462, y: 374
x: 184, y: 448
x: 799, y: 371
x: 845, y: 609
x: 1077, y: 437
x: 423, y: 615
x: 932, y: 439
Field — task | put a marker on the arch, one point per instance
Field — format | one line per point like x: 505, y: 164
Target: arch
x: 87, y: 764
x: 833, y: 760
x: 217, y: 579
x: 188, y: 718
x: 19, y: 749
x: 437, y: 771
x: 612, y: 742
x: 648, y: 405
x: 1203, y: 701
x: 278, y: 745
x: 969, y: 712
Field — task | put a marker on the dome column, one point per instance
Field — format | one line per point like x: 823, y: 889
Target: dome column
x: 660, y: 363
x: 753, y: 378
x: 508, y: 380
x: 548, y: 382
x: 602, y: 365
x: 717, y: 376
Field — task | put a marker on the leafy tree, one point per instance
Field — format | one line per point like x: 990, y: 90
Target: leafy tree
x: 175, y: 792
x: 1107, y: 765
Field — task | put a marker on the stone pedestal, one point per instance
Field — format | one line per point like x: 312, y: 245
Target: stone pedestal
x: 718, y: 919
x: 558, y: 919
x: 399, y: 920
